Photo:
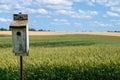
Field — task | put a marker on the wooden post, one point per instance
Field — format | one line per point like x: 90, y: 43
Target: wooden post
x: 21, y: 68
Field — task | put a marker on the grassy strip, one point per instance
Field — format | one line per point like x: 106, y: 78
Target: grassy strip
x: 64, y: 40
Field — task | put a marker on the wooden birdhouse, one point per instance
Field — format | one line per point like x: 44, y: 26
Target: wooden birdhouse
x: 20, y: 38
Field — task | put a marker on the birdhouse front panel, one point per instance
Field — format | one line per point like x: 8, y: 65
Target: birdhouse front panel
x: 19, y: 39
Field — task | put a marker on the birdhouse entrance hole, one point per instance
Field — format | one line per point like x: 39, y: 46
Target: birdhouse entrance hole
x: 18, y: 33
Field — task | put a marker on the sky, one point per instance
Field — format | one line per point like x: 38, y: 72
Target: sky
x: 64, y: 15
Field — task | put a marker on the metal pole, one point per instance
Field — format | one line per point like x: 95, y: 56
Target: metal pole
x: 21, y: 68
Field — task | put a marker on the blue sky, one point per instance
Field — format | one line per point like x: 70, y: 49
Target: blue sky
x: 64, y: 15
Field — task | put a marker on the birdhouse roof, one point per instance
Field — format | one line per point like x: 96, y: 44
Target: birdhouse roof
x: 19, y: 23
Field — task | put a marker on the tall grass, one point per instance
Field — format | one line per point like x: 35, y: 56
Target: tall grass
x: 78, y: 57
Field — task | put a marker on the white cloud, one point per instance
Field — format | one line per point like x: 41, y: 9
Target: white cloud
x: 116, y: 9
x: 78, y: 14
x: 52, y: 4
x: 89, y: 2
x: 77, y: 0
x: 42, y: 11
x: 77, y: 24
x: 87, y: 12
x: 108, y: 3
x: 60, y: 21
x: 58, y: 7
x: 93, y: 0
x: 55, y: 4
x: 58, y: 2
x: 112, y: 3
x: 31, y: 10
x: 101, y: 24
x: 101, y: 1
x: 17, y: 6
x: 61, y: 11
x: 4, y: 20
x: 43, y: 16
x: 22, y: 2
x: 7, y: 6
x: 4, y: 1
x: 116, y: 22
x: 4, y: 6
x: 112, y: 14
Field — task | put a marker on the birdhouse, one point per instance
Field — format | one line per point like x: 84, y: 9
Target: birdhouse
x: 20, y: 38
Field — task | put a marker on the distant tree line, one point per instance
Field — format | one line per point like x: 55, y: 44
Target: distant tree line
x: 3, y: 29
x: 113, y: 31
x: 30, y: 29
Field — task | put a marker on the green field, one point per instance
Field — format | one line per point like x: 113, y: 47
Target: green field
x: 63, y: 57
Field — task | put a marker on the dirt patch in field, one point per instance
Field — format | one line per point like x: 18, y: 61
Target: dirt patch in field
x: 35, y: 33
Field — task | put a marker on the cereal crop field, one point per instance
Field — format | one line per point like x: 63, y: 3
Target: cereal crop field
x: 63, y: 57
x: 37, y: 33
